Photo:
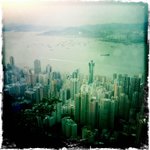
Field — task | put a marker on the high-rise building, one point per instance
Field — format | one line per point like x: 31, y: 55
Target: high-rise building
x: 58, y: 111
x: 63, y: 95
x: 74, y: 87
x: 126, y: 85
x: 12, y: 61
x: 48, y: 69
x: 38, y: 89
x: 134, y: 86
x: 97, y: 114
x: 92, y: 112
x: 74, y: 130
x: 137, y: 84
x: 30, y: 95
x: 120, y: 90
x: 37, y: 66
x: 112, y: 113
x: 135, y: 99
x: 54, y: 91
x: 124, y: 106
x: 91, y: 71
x: 115, y: 90
x: 104, y: 113
x: 84, y: 115
x: 121, y: 104
x: 31, y: 79
x: 77, y: 107
x: 115, y: 103
x: 43, y: 79
x: 114, y: 76
x: 46, y: 93
x: 69, y: 127
x: 74, y: 84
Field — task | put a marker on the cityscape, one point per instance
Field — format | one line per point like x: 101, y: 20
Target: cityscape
x: 75, y: 74
x: 73, y: 110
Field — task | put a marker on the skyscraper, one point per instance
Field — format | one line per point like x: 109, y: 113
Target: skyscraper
x: 12, y: 62
x: 69, y: 127
x: 31, y: 79
x: 116, y: 90
x: 37, y: 66
x: 84, y: 108
x: 58, y: 111
x: 74, y: 84
x: 77, y: 107
x: 92, y: 112
x: 48, y: 69
x: 91, y: 71
x: 104, y: 113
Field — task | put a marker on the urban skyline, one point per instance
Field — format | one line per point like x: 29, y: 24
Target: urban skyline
x: 75, y: 74
x: 89, y: 108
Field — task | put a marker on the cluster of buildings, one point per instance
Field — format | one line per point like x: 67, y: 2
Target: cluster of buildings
x: 50, y: 121
x: 69, y: 127
x: 91, y: 102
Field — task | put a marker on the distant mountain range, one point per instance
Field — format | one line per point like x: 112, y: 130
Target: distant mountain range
x: 115, y: 32
x: 26, y: 28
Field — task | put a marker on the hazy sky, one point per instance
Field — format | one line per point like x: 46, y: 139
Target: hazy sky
x: 70, y: 14
x: 30, y: 46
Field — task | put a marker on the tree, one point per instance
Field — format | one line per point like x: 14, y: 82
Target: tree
x: 45, y: 108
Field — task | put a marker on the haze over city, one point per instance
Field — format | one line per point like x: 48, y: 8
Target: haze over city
x: 75, y: 74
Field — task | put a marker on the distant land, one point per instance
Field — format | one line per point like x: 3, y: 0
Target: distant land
x: 26, y: 28
x: 115, y: 32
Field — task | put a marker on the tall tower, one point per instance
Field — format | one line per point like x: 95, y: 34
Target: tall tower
x: 48, y: 69
x: 37, y: 66
x: 91, y: 71
x: 74, y: 84
x: 12, y: 62
x: 31, y: 80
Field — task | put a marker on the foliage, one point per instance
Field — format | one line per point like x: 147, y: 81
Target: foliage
x: 42, y: 109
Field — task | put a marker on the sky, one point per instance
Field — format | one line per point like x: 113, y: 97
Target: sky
x: 46, y: 13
